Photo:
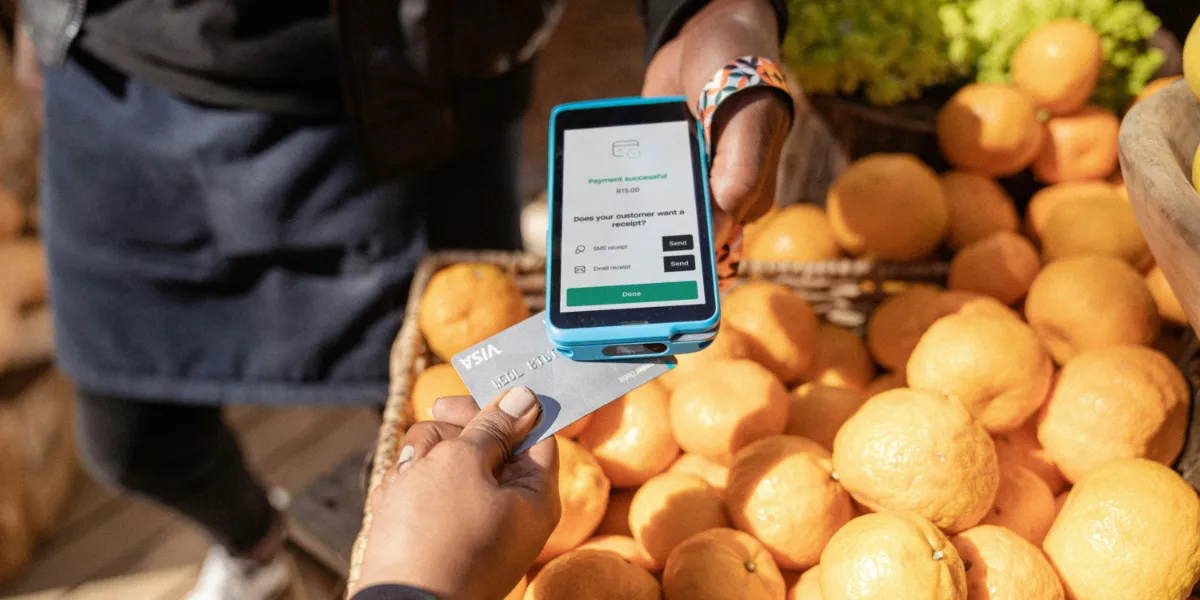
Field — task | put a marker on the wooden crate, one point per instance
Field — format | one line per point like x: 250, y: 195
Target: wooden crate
x: 842, y: 291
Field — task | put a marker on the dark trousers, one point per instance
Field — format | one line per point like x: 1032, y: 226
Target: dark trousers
x: 182, y: 456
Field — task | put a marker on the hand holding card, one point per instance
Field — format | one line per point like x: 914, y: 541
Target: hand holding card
x: 568, y: 390
x: 492, y: 514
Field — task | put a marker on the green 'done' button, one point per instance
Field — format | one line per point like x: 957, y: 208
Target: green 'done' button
x: 629, y: 294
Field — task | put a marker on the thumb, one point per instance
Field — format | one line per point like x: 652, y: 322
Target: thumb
x: 500, y: 426
x: 748, y: 140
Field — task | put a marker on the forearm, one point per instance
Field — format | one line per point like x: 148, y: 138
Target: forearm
x: 663, y: 19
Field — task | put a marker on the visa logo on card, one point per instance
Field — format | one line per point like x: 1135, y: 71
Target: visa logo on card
x: 479, y: 356
x: 568, y: 390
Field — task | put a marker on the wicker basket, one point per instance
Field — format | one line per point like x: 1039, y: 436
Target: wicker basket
x: 843, y: 292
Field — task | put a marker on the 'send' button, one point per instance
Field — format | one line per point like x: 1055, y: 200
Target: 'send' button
x: 675, y: 243
x: 672, y: 264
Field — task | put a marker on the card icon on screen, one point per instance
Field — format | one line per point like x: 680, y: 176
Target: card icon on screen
x: 627, y: 149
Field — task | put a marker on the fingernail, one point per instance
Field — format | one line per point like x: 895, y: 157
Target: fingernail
x: 518, y: 402
x: 406, y: 456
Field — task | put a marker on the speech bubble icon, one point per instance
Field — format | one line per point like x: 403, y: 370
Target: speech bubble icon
x: 579, y: 249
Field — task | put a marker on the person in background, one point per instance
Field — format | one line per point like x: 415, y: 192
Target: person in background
x: 235, y: 194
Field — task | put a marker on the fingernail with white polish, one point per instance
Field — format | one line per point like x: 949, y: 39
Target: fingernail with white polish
x: 518, y: 402
x: 406, y: 456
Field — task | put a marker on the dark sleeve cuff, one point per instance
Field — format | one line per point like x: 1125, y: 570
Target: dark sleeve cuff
x: 393, y: 592
x: 664, y: 19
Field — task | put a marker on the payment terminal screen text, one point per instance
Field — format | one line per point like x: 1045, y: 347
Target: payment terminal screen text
x: 630, y: 231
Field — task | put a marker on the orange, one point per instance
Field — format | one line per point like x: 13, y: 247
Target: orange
x: 919, y: 452
x: 888, y: 207
x: 1154, y: 86
x: 818, y: 411
x: 616, y: 516
x: 959, y: 302
x: 23, y: 271
x: 720, y: 564
x: 797, y: 233
x: 729, y: 344
x: 625, y: 547
x: 899, y: 321
x: 1095, y: 226
x: 436, y: 381
x: 808, y: 587
x: 995, y: 366
x: 518, y: 592
x: 631, y: 436
x: 583, y: 493
x: 1165, y: 299
x: 890, y: 556
x: 1021, y: 447
x: 1113, y: 403
x: 1130, y: 530
x: 467, y: 303
x: 1059, y: 501
x: 1191, y: 59
x: 842, y: 359
x: 1047, y: 200
x: 885, y: 382
x: 1002, y: 265
x: 990, y: 128
x: 1024, y: 504
x: 780, y: 325
x: 978, y: 208
x: 896, y: 326
x: 593, y: 575
x: 1087, y: 302
x: 727, y: 407
x: 12, y: 215
x: 1057, y: 65
x: 574, y: 429
x: 751, y: 229
x: 782, y: 492
x: 670, y: 508
x: 1079, y: 147
x: 712, y: 472
x: 1002, y: 565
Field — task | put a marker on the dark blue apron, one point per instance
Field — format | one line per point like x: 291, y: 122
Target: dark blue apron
x: 208, y: 255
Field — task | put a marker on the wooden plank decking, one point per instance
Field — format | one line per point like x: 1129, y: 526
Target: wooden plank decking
x: 114, y: 546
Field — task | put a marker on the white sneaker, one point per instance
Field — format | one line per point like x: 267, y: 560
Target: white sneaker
x: 226, y: 577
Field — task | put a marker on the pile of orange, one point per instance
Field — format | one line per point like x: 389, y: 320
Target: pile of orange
x: 784, y: 464
x: 1004, y: 437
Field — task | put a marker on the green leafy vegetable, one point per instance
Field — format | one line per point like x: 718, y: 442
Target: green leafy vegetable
x: 891, y: 50
x: 985, y: 33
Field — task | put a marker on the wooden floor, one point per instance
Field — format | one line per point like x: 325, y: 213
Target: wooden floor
x: 116, y: 547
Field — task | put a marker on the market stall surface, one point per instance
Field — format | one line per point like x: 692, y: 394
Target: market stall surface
x: 117, y: 546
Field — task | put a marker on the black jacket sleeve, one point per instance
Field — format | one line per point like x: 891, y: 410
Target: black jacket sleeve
x: 393, y: 592
x: 664, y: 18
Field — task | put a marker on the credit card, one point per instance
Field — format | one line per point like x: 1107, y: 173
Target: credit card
x: 568, y: 390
